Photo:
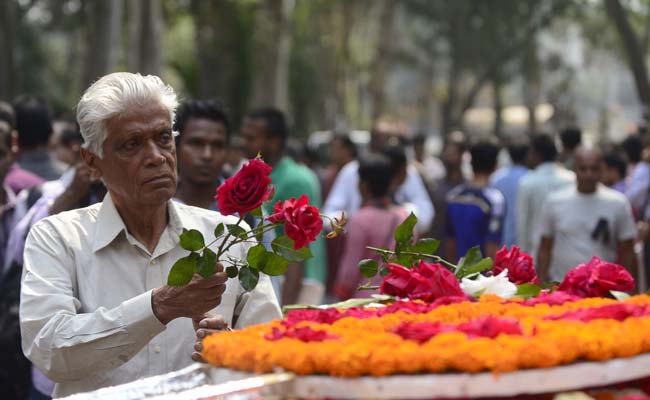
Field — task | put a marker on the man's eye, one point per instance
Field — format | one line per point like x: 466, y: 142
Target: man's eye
x: 130, y: 145
x: 165, y: 138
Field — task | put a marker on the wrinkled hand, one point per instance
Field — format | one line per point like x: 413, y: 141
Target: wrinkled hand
x: 205, y: 327
x: 192, y: 300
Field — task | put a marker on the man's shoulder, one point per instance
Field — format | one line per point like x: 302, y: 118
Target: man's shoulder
x: 67, y: 222
x: 197, y: 216
x: 612, y: 196
x: 562, y: 195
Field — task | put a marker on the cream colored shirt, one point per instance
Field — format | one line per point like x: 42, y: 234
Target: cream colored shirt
x: 85, y: 307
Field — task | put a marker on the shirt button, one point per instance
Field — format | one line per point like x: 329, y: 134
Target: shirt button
x: 156, y: 349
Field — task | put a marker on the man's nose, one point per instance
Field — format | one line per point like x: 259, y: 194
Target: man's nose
x: 153, y: 153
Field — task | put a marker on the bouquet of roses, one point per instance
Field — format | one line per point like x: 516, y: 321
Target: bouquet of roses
x: 243, y: 194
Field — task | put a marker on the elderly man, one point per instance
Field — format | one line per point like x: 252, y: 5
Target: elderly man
x: 95, y: 310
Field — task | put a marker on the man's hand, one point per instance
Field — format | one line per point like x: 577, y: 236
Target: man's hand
x: 192, y: 300
x: 205, y: 327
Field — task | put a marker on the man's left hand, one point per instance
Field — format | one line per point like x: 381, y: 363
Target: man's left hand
x: 204, y: 327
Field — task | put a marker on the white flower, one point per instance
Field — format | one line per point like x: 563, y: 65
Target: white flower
x: 499, y: 285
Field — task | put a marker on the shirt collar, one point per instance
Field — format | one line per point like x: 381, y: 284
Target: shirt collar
x: 110, y: 223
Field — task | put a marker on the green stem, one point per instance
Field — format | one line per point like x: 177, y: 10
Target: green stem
x: 221, y: 249
x: 408, y: 253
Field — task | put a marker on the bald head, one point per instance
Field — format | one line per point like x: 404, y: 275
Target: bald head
x: 588, y: 166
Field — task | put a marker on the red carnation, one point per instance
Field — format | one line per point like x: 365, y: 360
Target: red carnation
x: 426, y: 282
x: 596, y: 279
x: 302, y: 222
x: 519, y: 265
x: 245, y: 191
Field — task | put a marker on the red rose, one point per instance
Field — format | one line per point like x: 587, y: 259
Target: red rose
x: 519, y: 265
x: 596, y: 279
x: 302, y: 222
x: 426, y: 282
x: 245, y: 191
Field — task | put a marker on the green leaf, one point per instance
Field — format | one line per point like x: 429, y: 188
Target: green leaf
x: 257, y: 213
x: 404, y: 231
x: 207, y: 263
x: 283, y: 246
x: 528, y: 290
x: 368, y: 267
x: 257, y: 256
x: 620, y: 296
x: 192, y: 240
x: 236, y: 230
x: 248, y: 278
x: 183, y: 270
x: 275, y: 265
x: 425, y: 246
x: 473, y: 263
x: 218, y: 231
x: 232, y: 271
x: 384, y: 271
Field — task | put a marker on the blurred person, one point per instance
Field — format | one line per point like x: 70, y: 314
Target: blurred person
x: 431, y: 168
x: 342, y: 152
x: 475, y: 211
x: 506, y: 180
x: 570, y: 138
x: 638, y: 187
x: 547, y: 177
x: 95, y: 310
x: 633, y: 148
x: 452, y: 156
x: 265, y: 132
x: 615, y: 171
x: 345, y: 197
x: 586, y: 220
x: 373, y: 225
x: 14, y: 366
x: 201, y: 145
x: 34, y: 126
x: 65, y: 142
x: 16, y: 178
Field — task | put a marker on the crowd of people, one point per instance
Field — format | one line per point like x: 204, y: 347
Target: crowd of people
x: 556, y: 198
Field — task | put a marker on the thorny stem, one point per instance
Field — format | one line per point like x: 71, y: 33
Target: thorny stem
x: 409, y: 253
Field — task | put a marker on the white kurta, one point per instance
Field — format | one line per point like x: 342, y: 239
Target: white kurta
x: 85, y: 310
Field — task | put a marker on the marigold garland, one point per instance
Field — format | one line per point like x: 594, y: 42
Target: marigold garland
x: 366, y: 341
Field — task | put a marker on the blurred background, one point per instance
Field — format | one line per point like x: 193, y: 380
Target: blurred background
x: 481, y: 66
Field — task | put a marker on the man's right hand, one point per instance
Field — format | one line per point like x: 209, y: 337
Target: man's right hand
x: 192, y: 300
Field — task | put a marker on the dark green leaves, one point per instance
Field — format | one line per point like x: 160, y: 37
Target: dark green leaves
x: 265, y: 261
x: 183, y: 270
x: 257, y: 212
x: 192, y: 240
x: 425, y: 246
x: 218, y: 231
x: 256, y: 256
x: 473, y: 263
x: 404, y: 232
x: 283, y: 246
x: 248, y: 278
x: 232, y: 271
x: 236, y: 230
x: 207, y: 263
x: 368, y: 268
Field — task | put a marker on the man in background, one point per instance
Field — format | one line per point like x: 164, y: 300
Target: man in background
x: 547, y: 177
x: 202, y: 143
x: 507, y: 181
x: 474, y: 210
x: 571, y: 139
x: 265, y: 132
x: 585, y: 221
x: 34, y: 126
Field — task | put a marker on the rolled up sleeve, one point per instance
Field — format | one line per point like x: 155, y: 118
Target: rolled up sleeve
x: 61, y: 341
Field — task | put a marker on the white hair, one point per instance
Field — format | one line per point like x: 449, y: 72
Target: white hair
x: 116, y: 93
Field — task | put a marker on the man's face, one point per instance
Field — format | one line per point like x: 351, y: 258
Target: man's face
x: 253, y: 133
x: 202, y: 151
x: 588, y: 168
x: 610, y: 175
x: 452, y: 156
x: 139, y: 161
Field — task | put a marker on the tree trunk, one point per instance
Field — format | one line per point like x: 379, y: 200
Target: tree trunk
x: 632, y: 48
x: 378, y: 79
x: 497, y: 93
x: 103, y: 38
x: 208, y: 56
x: 145, y: 36
x: 7, y: 47
x: 272, y: 54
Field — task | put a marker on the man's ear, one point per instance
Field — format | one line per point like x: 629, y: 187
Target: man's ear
x: 90, y: 159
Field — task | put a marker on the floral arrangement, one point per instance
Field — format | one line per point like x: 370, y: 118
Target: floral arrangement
x: 242, y: 195
x: 433, y: 317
